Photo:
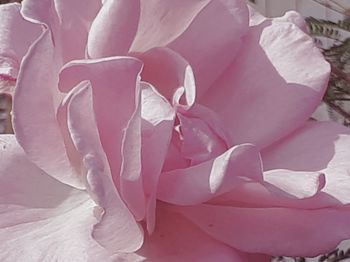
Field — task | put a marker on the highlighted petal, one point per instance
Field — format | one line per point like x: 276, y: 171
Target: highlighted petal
x: 36, y: 101
x: 116, y: 230
x: 200, y: 183
x: 114, y: 28
x: 41, y: 218
x: 272, y: 87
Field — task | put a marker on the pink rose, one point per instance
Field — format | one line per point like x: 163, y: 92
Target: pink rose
x: 167, y: 130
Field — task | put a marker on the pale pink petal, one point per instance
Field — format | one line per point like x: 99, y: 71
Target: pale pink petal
x: 176, y: 239
x: 131, y: 179
x: 168, y: 71
x: 67, y: 20
x: 183, y: 25
x: 199, y: 142
x: 42, y: 219
x: 272, y: 88
x: 273, y: 231
x: 17, y: 35
x: 117, y: 229
x: 34, y: 113
x: 200, y: 183
x: 281, y: 188
x: 114, y: 28
x: 115, y: 83
x: 322, y: 147
x: 157, y: 124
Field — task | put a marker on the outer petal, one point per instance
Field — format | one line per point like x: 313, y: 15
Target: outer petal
x: 114, y: 28
x: 67, y: 20
x: 157, y: 124
x: 200, y: 183
x: 17, y: 35
x: 322, y: 147
x: 184, y: 25
x: 272, y: 87
x: 175, y: 239
x: 35, y: 103
x: 117, y: 230
x: 274, y: 231
x: 41, y: 219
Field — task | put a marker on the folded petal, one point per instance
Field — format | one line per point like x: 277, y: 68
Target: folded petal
x: 184, y: 25
x: 176, y: 239
x: 157, y: 124
x: 115, y: 83
x: 272, y: 87
x: 175, y: 73
x: 17, y: 35
x: 41, y: 219
x: 67, y: 20
x: 36, y: 101
x: 199, y: 142
x: 322, y: 147
x: 273, y: 231
x: 202, y: 182
x: 114, y: 28
x: 117, y: 229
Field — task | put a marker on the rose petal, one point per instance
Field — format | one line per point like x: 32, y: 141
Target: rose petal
x: 176, y: 73
x: 117, y: 230
x: 114, y: 28
x: 61, y: 16
x: 42, y: 219
x: 322, y: 147
x: 114, y: 101
x: 17, y: 35
x: 175, y: 239
x: 200, y: 183
x: 35, y: 103
x: 272, y: 87
x: 183, y: 26
x: 199, y: 142
x: 157, y: 124
x: 274, y: 231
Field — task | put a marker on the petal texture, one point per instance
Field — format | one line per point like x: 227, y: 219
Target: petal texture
x: 184, y: 25
x: 272, y: 87
x: 114, y: 28
x: 41, y: 218
x: 116, y: 230
x: 321, y: 147
x: 35, y: 105
x: 17, y: 35
x: 200, y: 183
x: 276, y: 231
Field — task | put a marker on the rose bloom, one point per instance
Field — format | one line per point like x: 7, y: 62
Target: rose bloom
x: 166, y: 130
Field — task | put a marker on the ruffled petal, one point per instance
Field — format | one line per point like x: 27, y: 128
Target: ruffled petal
x: 168, y: 71
x: 67, y: 20
x: 200, y: 183
x: 272, y: 87
x: 115, y: 83
x: 157, y: 124
x: 36, y: 101
x: 273, y: 231
x: 117, y: 229
x: 322, y: 147
x: 184, y: 25
x: 42, y: 219
x: 17, y: 35
x: 114, y: 28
